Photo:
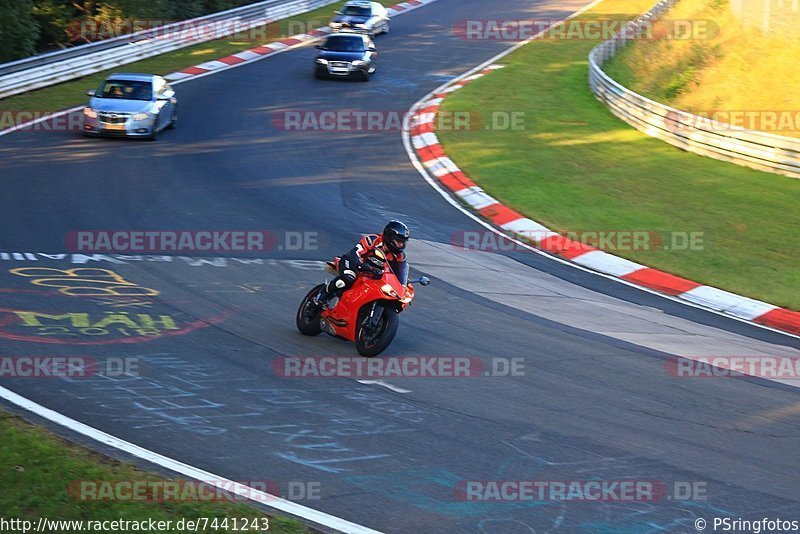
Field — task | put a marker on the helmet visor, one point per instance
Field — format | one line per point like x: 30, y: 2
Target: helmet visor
x: 398, y: 243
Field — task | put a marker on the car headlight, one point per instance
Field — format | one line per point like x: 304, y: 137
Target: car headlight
x: 143, y: 116
x: 389, y: 291
x: 89, y: 112
x: 335, y: 24
x: 322, y: 61
x: 357, y: 63
x: 362, y: 26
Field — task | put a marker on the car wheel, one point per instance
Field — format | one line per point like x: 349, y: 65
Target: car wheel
x: 318, y: 74
x: 386, y: 28
x: 153, y: 135
x: 174, y: 122
x: 365, y: 75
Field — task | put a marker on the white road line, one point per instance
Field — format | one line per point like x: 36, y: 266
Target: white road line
x: 309, y: 514
x: 384, y: 384
x: 289, y: 507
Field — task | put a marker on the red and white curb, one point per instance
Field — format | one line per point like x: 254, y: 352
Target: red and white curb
x: 235, y: 60
x: 253, y: 54
x: 270, y: 49
x: 428, y: 151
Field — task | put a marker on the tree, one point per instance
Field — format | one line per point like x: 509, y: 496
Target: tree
x: 18, y: 30
x: 186, y: 9
x: 53, y: 18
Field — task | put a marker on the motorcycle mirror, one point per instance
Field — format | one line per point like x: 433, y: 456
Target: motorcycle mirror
x: 423, y: 281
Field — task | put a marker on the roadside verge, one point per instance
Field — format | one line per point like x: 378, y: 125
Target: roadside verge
x: 72, y: 483
x: 438, y: 169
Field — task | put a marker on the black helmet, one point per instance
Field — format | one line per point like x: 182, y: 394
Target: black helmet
x: 395, y: 236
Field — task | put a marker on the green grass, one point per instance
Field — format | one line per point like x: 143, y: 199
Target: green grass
x: 37, y: 467
x: 730, y: 65
x: 576, y: 167
x: 73, y: 93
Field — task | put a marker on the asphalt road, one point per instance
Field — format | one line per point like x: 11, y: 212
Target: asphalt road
x: 591, y: 402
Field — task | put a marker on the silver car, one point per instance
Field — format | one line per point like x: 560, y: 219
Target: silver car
x: 360, y: 16
x: 134, y: 105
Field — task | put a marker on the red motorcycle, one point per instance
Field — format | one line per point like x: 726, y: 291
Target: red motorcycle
x: 367, y: 314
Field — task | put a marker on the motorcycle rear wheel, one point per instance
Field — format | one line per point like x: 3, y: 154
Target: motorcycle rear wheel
x: 308, y: 319
x: 371, y: 346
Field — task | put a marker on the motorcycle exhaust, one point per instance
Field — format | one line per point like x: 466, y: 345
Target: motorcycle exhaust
x: 326, y: 327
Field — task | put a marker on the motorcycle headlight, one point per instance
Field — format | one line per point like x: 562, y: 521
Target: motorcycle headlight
x: 409, y: 295
x: 89, y: 112
x: 143, y: 116
x: 322, y: 61
x: 389, y: 291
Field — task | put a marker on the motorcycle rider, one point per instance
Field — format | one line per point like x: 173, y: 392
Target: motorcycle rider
x: 361, y: 258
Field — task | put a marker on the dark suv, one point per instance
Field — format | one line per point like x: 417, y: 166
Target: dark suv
x: 346, y: 54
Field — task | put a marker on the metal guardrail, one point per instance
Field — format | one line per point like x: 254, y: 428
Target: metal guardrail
x: 701, y: 135
x: 55, y: 67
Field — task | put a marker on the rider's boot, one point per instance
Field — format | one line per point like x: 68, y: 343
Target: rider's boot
x: 327, y: 293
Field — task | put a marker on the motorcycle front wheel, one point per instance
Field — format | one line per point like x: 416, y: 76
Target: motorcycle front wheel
x: 371, y: 342
x: 308, y: 316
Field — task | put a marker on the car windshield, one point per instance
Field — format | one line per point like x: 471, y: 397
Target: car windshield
x: 355, y: 11
x: 345, y: 44
x: 126, y: 90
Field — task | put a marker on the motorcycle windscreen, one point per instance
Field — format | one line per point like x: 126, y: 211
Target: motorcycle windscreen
x: 400, y: 270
